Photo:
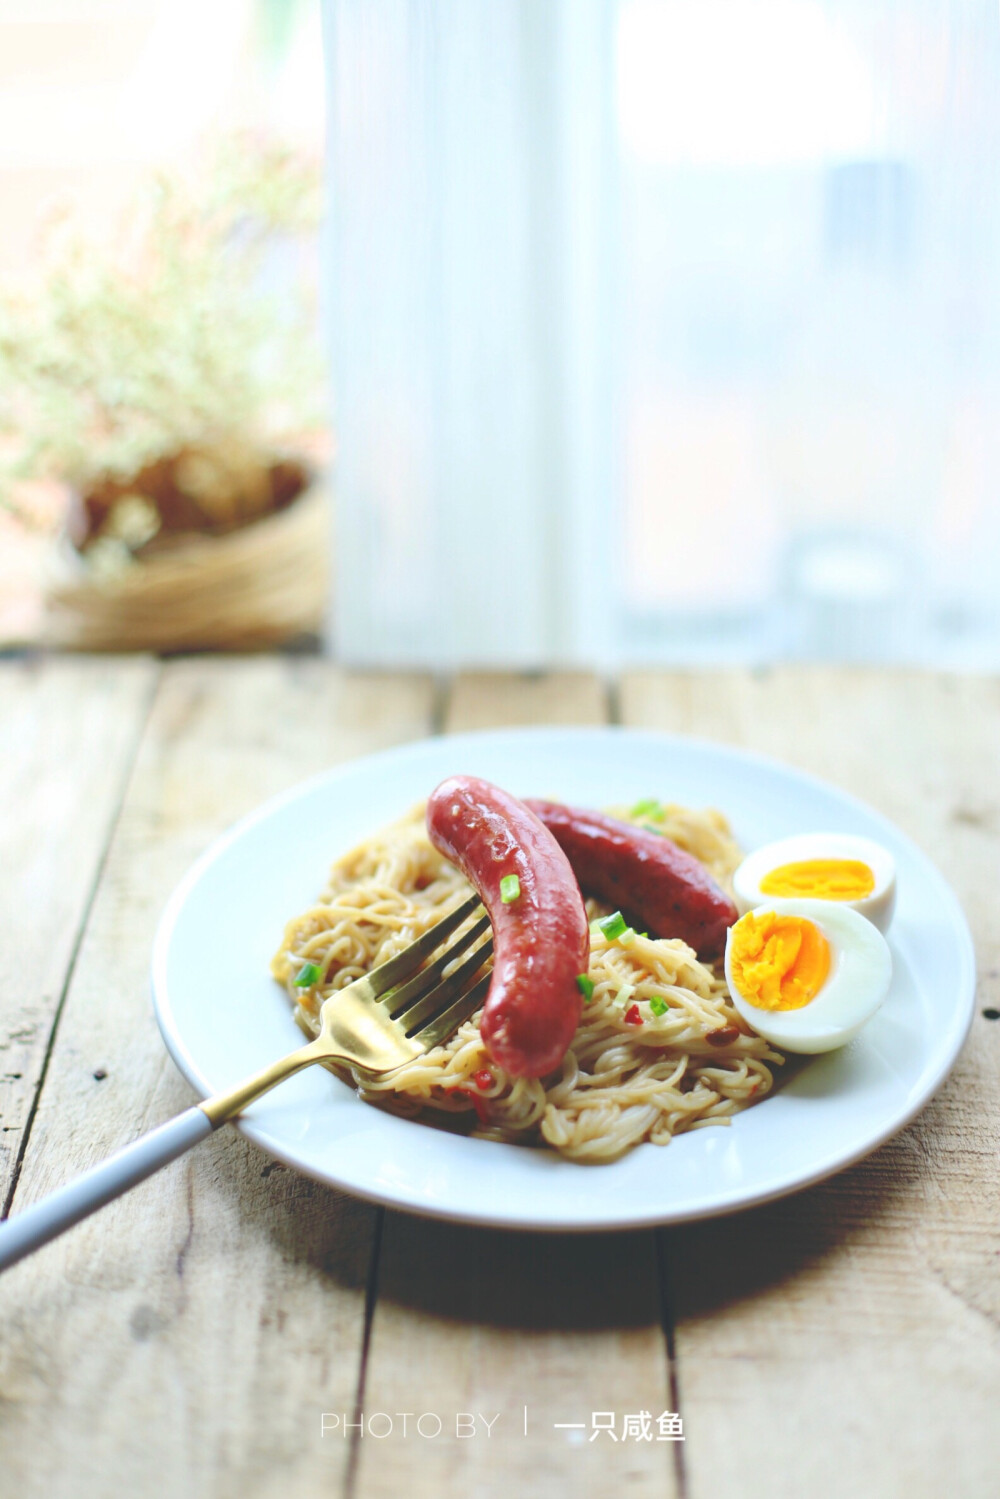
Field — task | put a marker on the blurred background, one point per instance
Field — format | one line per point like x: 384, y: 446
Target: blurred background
x: 656, y: 330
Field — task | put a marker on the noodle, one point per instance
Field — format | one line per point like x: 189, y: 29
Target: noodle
x: 619, y: 1083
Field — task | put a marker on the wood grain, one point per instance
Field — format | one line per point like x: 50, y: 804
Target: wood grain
x: 68, y: 735
x: 855, y: 1328
x: 182, y: 1342
x: 495, y: 700
x: 486, y: 1323
x: 187, y: 1340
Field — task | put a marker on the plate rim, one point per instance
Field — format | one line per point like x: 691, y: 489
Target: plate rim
x: 740, y: 1200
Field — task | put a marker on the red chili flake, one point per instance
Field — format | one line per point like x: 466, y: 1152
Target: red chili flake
x: 724, y: 1036
x: 632, y: 1016
x: 483, y: 1078
x: 478, y: 1103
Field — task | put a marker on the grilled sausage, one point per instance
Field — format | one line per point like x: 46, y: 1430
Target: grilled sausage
x: 541, y: 938
x: 660, y: 885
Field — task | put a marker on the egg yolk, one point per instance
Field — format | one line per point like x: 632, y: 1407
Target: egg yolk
x: 778, y: 962
x: 823, y: 879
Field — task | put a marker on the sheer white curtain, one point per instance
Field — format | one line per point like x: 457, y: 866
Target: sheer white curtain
x: 665, y: 329
x: 467, y: 155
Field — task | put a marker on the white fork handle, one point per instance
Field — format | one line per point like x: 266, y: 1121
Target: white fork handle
x: 47, y: 1219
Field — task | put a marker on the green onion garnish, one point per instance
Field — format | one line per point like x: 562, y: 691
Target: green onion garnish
x: 627, y: 937
x: 624, y: 995
x: 510, y: 888
x: 647, y: 827
x: 585, y: 984
x: 648, y: 808
x: 307, y: 975
x: 612, y: 926
x: 658, y: 1005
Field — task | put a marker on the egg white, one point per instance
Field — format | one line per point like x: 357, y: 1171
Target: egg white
x: 858, y: 981
x: 877, y: 907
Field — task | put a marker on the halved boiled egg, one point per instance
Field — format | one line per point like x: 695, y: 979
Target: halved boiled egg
x: 807, y: 974
x: 837, y: 867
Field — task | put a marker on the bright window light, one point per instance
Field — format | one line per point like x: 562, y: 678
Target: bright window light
x: 740, y: 83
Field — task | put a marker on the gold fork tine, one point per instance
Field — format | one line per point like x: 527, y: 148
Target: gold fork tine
x: 399, y: 968
x: 397, y: 1001
x: 443, y: 993
x: 460, y: 1010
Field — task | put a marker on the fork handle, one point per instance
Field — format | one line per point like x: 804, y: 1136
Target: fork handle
x: 45, y: 1220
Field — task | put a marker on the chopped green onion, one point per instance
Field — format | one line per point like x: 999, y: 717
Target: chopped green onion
x: 658, y: 1005
x: 612, y: 926
x: 585, y: 984
x: 627, y: 937
x: 647, y: 827
x: 648, y: 808
x: 624, y: 995
x: 307, y: 975
x: 510, y: 888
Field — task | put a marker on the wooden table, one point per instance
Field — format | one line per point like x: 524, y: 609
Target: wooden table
x: 188, y: 1340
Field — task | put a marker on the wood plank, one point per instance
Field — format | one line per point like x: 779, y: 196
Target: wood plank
x: 184, y: 1341
x: 486, y: 1323
x: 494, y: 700
x: 847, y: 1340
x: 68, y: 735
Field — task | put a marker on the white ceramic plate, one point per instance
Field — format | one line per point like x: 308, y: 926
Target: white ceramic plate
x: 222, y: 1016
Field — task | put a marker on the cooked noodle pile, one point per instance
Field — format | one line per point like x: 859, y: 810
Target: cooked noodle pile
x: 620, y: 1083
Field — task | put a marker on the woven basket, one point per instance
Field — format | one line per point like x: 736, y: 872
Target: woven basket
x: 251, y: 588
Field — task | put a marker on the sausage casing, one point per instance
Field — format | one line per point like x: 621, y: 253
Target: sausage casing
x: 541, y: 939
x: 647, y: 876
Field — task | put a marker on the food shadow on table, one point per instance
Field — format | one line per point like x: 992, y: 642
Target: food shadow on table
x: 547, y: 1280
x: 523, y: 1279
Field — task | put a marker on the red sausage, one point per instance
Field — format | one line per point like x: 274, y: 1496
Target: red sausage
x: 541, y: 939
x: 657, y: 883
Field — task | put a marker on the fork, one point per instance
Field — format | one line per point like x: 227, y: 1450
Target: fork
x: 398, y: 1011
